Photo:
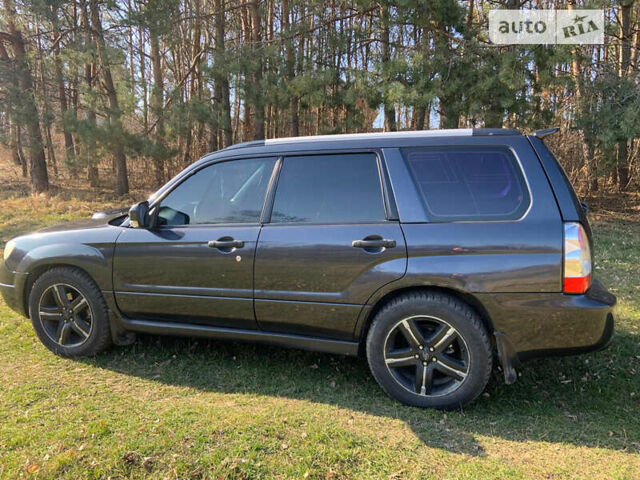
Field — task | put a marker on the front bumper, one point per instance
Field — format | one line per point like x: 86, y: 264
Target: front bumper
x: 12, y: 288
x: 542, y: 324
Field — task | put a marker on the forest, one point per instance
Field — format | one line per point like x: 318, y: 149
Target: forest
x: 101, y: 89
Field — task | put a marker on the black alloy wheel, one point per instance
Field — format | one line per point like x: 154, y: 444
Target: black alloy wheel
x: 426, y: 355
x: 69, y: 313
x: 65, y: 315
x: 429, y: 349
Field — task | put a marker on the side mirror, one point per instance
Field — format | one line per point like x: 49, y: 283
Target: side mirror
x: 139, y: 215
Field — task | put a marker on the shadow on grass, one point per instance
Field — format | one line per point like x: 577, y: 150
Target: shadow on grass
x: 590, y: 400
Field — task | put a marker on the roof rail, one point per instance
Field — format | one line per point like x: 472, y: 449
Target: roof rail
x: 454, y: 132
x: 494, y: 131
x: 252, y: 143
x: 545, y: 133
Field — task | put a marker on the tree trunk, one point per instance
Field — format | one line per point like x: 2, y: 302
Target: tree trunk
x: 44, y: 95
x: 419, y: 113
x: 622, y: 159
x: 143, y: 80
x: 89, y: 76
x: 294, y: 119
x: 157, y: 101
x: 12, y: 143
x: 17, y: 155
x: 62, y: 94
x: 256, y: 83
x: 23, y: 158
x: 196, y: 76
x: 589, y: 160
x: 221, y: 80
x: 390, y: 124
x: 119, y: 159
x: 30, y: 119
x: 50, y: 148
x: 448, y: 117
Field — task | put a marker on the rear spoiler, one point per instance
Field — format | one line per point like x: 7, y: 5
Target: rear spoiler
x: 545, y: 133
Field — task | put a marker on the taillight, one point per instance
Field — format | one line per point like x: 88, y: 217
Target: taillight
x: 577, y: 259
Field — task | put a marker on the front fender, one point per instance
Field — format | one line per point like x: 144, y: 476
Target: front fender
x: 96, y: 261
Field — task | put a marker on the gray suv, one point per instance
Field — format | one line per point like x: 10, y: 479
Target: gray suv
x: 435, y: 254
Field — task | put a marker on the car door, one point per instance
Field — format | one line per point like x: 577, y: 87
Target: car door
x: 329, y: 245
x: 196, y: 264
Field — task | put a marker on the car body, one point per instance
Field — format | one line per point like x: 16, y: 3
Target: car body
x: 391, y: 217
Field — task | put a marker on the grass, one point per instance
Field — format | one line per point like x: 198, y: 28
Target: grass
x: 179, y: 408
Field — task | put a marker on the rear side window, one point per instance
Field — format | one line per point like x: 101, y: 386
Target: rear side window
x: 341, y: 188
x: 458, y: 184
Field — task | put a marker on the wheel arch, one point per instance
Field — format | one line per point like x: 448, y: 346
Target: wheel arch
x: 38, y: 270
x: 467, y: 298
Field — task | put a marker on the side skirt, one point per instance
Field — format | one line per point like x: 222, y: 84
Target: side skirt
x: 315, y: 344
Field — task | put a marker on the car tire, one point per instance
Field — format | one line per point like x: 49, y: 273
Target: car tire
x: 430, y: 350
x: 69, y: 313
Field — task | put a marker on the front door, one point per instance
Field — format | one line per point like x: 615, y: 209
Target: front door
x: 328, y: 246
x: 196, y: 264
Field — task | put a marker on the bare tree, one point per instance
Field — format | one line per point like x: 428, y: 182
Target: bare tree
x: 29, y: 112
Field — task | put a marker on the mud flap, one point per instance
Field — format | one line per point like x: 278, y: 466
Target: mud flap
x: 507, y: 356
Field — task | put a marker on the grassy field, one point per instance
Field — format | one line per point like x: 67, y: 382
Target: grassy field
x: 178, y: 408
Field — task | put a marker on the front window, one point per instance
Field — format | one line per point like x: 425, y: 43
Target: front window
x: 227, y: 192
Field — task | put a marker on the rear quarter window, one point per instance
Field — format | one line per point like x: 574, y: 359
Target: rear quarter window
x: 468, y: 183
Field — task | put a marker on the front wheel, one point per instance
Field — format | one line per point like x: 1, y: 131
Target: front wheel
x: 429, y: 350
x: 69, y: 314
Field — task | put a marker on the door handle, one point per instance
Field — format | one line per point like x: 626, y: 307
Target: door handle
x: 225, y: 244
x: 377, y: 243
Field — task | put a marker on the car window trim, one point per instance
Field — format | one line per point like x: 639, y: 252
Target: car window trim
x: 390, y: 207
x: 385, y: 191
x: 209, y: 225
x: 158, y: 201
x: 271, y: 192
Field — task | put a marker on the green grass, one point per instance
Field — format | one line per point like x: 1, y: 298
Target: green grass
x: 178, y: 408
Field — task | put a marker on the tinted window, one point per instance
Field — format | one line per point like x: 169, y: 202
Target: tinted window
x: 329, y: 189
x: 468, y: 184
x: 228, y: 192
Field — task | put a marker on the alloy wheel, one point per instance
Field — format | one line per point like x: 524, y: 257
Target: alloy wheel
x: 426, y: 355
x: 65, y: 315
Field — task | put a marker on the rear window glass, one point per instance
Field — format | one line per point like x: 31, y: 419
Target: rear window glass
x: 342, y: 188
x: 479, y: 183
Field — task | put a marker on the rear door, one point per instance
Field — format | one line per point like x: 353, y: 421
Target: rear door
x: 330, y: 244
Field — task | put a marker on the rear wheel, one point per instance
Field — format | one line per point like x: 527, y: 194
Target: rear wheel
x: 68, y: 313
x: 429, y: 350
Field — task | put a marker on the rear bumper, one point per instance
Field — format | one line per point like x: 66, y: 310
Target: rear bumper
x: 11, y: 288
x: 543, y: 324
x: 602, y: 343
